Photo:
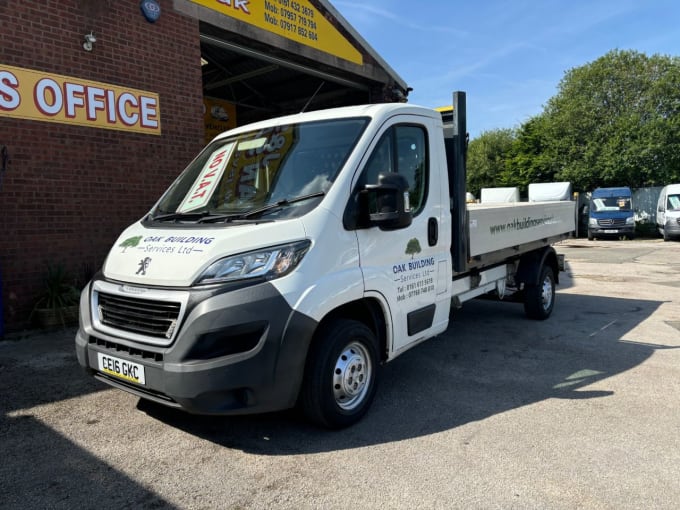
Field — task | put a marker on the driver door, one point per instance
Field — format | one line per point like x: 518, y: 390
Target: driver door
x: 407, y: 268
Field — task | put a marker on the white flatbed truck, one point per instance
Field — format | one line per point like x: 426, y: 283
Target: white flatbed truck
x: 296, y: 255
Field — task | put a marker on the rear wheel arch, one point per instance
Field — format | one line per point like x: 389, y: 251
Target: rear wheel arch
x: 531, y: 266
x: 538, y: 272
x: 539, y: 300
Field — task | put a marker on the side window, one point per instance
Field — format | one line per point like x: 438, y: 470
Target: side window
x: 411, y: 145
x: 402, y: 149
x: 380, y: 161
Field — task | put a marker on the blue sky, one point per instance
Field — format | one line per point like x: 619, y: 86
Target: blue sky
x: 508, y: 56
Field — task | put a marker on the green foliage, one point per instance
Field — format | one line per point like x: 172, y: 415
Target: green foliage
x: 530, y: 159
x: 613, y: 122
x: 58, y: 291
x: 487, y: 158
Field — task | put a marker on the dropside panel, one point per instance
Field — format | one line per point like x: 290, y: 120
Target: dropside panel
x: 497, y: 227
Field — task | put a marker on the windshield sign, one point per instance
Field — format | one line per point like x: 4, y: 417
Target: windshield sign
x: 205, y: 184
x: 611, y: 204
x: 259, y: 169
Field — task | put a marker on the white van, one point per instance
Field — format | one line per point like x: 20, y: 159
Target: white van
x: 668, y: 212
x: 295, y: 256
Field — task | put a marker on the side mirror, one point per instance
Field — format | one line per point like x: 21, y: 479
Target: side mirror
x: 388, y: 202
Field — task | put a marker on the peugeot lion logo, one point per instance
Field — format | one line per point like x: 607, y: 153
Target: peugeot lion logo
x: 143, y: 265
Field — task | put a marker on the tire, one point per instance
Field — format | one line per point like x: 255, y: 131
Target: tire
x: 539, y: 300
x: 341, y: 374
x: 590, y: 236
x: 666, y: 237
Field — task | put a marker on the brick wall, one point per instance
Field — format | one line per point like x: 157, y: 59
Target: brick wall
x: 69, y: 190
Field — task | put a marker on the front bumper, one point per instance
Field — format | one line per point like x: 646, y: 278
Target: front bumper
x: 628, y: 231
x: 672, y: 228
x: 236, y: 352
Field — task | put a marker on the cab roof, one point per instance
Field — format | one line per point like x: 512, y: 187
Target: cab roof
x: 380, y: 110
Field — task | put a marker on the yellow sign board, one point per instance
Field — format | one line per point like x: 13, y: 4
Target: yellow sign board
x: 298, y: 20
x: 218, y: 116
x: 36, y: 95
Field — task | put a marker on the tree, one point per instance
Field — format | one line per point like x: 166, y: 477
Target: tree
x: 614, y: 122
x: 486, y: 159
x: 413, y: 247
x: 130, y: 242
x: 530, y: 158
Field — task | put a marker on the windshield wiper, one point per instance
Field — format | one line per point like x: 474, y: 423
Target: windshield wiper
x: 214, y: 218
x: 279, y: 204
x: 210, y: 216
x: 180, y: 216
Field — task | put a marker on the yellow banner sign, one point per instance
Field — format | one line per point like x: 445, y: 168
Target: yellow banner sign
x: 35, y: 95
x: 218, y: 116
x: 294, y: 19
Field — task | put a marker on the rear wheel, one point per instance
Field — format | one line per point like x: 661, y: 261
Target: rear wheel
x: 539, y: 300
x: 341, y: 374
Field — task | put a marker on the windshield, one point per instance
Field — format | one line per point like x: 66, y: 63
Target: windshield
x: 610, y: 204
x: 673, y: 202
x: 259, y: 170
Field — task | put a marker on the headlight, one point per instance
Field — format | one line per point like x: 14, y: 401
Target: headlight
x: 268, y: 263
x: 592, y: 222
x: 630, y: 220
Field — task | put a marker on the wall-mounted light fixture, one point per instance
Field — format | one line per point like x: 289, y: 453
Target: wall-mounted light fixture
x: 90, y: 39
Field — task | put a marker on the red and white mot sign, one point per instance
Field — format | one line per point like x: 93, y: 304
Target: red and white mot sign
x: 207, y: 180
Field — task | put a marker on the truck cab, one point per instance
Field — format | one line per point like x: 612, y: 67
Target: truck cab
x: 611, y: 213
x: 668, y: 212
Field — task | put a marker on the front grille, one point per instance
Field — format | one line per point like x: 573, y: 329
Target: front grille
x: 151, y: 318
x: 132, y: 352
x: 612, y: 222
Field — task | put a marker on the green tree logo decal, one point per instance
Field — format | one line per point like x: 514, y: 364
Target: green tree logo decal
x: 130, y: 242
x: 413, y: 247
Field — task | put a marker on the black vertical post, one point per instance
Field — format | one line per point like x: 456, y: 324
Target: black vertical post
x: 457, y: 155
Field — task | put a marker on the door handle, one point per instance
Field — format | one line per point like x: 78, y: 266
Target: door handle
x: 432, y: 231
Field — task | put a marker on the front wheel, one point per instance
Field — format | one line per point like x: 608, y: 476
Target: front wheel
x: 341, y: 374
x: 539, y: 300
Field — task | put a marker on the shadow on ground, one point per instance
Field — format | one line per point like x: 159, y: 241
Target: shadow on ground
x: 473, y: 371
x: 476, y: 370
x: 40, y: 468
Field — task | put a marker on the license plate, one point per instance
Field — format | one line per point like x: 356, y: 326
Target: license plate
x: 611, y: 231
x: 121, y: 368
